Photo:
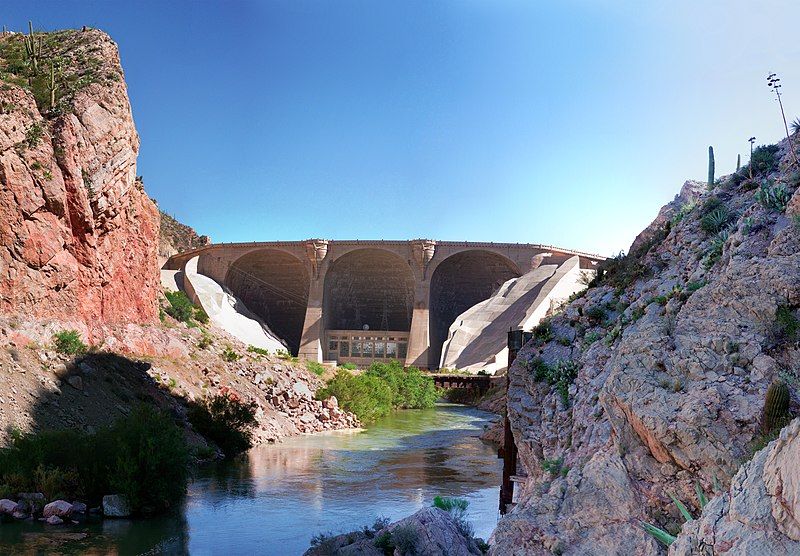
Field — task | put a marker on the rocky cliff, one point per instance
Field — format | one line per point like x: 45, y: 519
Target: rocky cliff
x: 653, y: 382
x: 78, y: 234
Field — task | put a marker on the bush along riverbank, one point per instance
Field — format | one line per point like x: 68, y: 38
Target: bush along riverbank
x: 382, y: 388
x: 138, y: 465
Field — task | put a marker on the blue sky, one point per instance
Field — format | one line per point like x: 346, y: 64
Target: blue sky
x: 566, y: 123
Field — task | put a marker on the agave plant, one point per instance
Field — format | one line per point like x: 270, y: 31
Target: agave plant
x: 715, y: 220
x: 702, y: 499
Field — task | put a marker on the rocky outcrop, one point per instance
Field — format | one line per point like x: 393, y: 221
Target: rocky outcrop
x: 429, y: 532
x: 655, y: 378
x: 78, y: 234
x: 759, y: 514
x: 175, y: 237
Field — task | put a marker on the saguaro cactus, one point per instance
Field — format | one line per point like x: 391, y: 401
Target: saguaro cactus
x: 776, y: 407
x: 710, y: 166
x: 738, y: 162
x: 33, y: 48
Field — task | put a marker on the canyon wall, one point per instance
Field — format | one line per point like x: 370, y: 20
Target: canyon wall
x: 78, y: 234
x: 652, y: 383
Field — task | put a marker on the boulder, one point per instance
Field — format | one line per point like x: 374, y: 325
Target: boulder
x: 60, y: 508
x: 302, y: 390
x: 53, y: 520
x: 116, y: 505
x: 76, y: 382
x: 7, y: 506
x: 79, y: 508
x: 429, y: 532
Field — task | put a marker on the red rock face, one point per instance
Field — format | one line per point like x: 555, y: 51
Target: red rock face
x: 78, y: 234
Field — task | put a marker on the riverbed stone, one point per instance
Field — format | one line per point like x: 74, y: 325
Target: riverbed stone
x: 7, y: 506
x: 53, y: 520
x: 60, y: 508
x: 116, y: 505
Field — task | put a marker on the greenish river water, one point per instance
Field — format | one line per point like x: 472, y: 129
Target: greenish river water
x: 277, y: 497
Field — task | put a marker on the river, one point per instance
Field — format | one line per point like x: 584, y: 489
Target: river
x: 273, y: 500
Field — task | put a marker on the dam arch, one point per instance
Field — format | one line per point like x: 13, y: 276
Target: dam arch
x: 273, y: 284
x: 367, y: 306
x: 459, y: 282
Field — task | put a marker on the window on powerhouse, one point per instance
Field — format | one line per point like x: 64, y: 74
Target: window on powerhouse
x: 368, y: 347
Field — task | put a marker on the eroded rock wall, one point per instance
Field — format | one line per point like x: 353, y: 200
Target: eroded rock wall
x: 655, y: 379
x: 78, y: 234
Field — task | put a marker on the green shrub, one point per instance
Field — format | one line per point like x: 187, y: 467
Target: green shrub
x: 69, y: 342
x: 764, y: 159
x: 150, y: 459
x: 384, y: 542
x: 225, y: 420
x: 257, y: 350
x: 205, y: 340
x: 560, y: 375
x: 286, y: 356
x: 315, y: 367
x: 543, y: 332
x: 143, y: 456
x: 787, y: 324
x: 382, y: 388
x: 200, y: 315
x: 229, y: 354
x: 411, y: 389
x: 456, y: 505
x: 368, y: 397
x: 348, y: 366
x: 180, y: 307
x: 595, y: 314
x: 553, y: 466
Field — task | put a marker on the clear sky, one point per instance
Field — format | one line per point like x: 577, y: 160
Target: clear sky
x: 567, y: 123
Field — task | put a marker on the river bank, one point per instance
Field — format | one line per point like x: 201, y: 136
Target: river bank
x: 329, y: 483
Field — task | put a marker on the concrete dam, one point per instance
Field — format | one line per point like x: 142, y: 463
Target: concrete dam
x: 361, y: 301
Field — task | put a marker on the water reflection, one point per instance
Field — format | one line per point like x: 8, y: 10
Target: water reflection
x: 273, y: 500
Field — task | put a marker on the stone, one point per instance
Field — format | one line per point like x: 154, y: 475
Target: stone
x: 308, y: 418
x: 302, y: 390
x: 79, y: 508
x: 430, y: 532
x: 53, y: 520
x: 7, y: 506
x: 116, y: 505
x: 330, y: 403
x: 60, y: 508
x: 76, y: 382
